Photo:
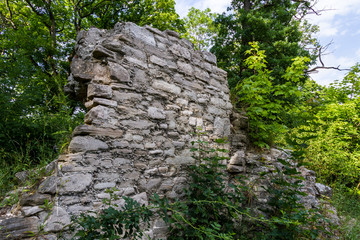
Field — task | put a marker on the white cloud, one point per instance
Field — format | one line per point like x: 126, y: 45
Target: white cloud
x: 327, y: 76
x: 182, y: 6
x: 358, y: 54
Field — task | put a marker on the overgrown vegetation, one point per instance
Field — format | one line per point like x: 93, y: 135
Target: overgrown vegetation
x: 212, y: 207
x: 264, y: 47
x: 36, y: 47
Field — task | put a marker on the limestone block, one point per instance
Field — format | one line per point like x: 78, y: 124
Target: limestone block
x: 118, y: 72
x: 87, y: 143
x: 18, y: 227
x: 167, y: 87
x: 323, y: 189
x: 99, y: 90
x: 202, y: 75
x: 222, y: 127
x: 96, y: 131
x: 158, y: 61
x: 57, y: 220
x: 211, y: 58
x: 120, y: 97
x: 49, y: 185
x: 30, y: 211
x: 104, y: 185
x: 185, y: 68
x: 156, y: 113
x: 81, y: 70
x: 238, y: 158
x: 135, y: 61
x: 180, y: 51
x: 139, y: 124
x: 99, y: 115
x: 34, y: 199
x: 139, y: 33
x: 141, y: 198
x: 75, y: 183
x: 100, y: 52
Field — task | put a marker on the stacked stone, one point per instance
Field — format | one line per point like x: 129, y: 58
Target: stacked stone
x: 146, y: 92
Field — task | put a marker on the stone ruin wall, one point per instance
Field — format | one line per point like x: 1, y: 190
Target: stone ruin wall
x: 145, y: 92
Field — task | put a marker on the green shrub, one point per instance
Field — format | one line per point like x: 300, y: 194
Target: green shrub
x: 212, y: 208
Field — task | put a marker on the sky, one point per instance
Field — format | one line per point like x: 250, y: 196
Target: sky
x: 339, y: 23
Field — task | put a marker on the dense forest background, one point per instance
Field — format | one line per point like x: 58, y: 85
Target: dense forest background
x: 267, y: 48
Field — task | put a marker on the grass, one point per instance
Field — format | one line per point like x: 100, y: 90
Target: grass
x: 348, y: 207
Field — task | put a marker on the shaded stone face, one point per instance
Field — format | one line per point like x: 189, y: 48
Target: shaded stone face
x: 146, y: 91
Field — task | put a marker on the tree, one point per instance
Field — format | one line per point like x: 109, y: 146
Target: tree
x: 275, y: 24
x: 37, y: 39
x: 330, y: 137
x: 200, y: 28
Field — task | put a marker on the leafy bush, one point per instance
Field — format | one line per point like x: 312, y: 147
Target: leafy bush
x: 211, y: 208
x: 266, y: 104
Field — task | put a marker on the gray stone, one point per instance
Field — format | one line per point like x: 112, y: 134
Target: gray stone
x: 140, y: 124
x: 96, y: 131
x: 180, y: 51
x: 211, y: 58
x: 222, y: 127
x: 123, y: 96
x: 57, y: 220
x: 87, y: 143
x: 29, y: 211
x: 18, y: 227
x: 141, y: 198
x: 34, y: 199
x: 158, y: 61
x: 104, y: 185
x: 118, y: 73
x: 139, y: 33
x: 75, y: 183
x: 49, y: 185
x: 156, y: 113
x: 185, y: 68
x: 99, y: 90
x: 323, y: 190
x: 101, y: 101
x: 238, y: 158
x: 167, y: 87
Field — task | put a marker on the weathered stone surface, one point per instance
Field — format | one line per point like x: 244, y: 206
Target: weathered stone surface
x: 30, y: 211
x: 34, y: 199
x: 167, y: 87
x: 49, y: 185
x: 156, y: 113
x: 87, y: 143
x: 118, y: 73
x: 323, y: 189
x: 18, y: 227
x: 238, y: 158
x: 141, y: 124
x: 74, y: 183
x: 99, y: 90
x: 222, y: 127
x: 84, y: 130
x: 57, y: 220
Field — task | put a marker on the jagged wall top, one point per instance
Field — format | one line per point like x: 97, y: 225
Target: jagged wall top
x: 136, y: 47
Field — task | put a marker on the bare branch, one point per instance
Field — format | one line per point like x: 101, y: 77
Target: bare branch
x: 322, y: 52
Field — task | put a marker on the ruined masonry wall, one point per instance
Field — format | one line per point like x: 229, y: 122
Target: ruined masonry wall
x: 146, y: 91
